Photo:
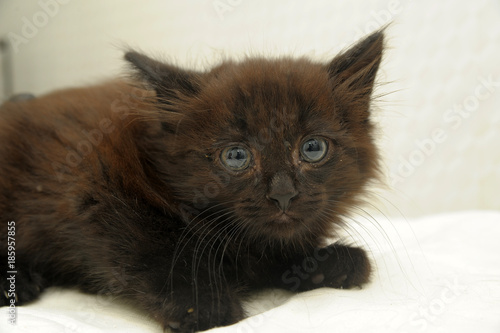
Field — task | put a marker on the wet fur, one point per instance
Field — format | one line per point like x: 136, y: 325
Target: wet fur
x: 119, y: 188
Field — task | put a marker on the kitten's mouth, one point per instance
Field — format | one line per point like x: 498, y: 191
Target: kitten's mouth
x: 283, y: 218
x: 283, y: 225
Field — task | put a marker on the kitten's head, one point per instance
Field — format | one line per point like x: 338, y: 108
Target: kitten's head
x: 277, y: 149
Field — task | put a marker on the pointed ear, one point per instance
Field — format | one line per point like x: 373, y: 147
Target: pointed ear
x: 169, y: 82
x: 356, y: 68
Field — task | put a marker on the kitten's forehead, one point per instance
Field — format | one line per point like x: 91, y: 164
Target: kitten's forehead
x: 262, y: 96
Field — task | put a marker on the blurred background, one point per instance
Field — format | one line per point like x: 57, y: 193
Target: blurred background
x: 438, y: 110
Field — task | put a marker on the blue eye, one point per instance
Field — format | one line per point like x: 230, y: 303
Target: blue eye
x: 236, y: 158
x: 313, y: 150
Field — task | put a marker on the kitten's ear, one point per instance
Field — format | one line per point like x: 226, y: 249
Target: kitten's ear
x: 169, y: 82
x: 356, y: 68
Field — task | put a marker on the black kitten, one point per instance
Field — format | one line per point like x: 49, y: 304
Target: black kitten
x: 184, y: 195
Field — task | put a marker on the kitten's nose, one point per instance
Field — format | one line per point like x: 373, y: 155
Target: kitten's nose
x: 283, y: 200
x: 282, y: 190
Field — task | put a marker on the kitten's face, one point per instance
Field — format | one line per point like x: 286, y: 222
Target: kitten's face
x: 280, y: 148
x: 277, y: 140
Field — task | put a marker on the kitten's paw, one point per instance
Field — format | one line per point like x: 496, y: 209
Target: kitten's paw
x: 211, y: 311
x: 20, y: 286
x: 345, y: 267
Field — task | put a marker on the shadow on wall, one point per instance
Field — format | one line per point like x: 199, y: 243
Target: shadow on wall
x: 6, y: 75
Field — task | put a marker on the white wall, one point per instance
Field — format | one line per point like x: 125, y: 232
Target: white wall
x: 439, y: 126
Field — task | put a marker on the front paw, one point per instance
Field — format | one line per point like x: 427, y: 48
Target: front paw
x: 346, y: 267
x: 19, y: 288
x: 335, y: 266
x: 210, y: 310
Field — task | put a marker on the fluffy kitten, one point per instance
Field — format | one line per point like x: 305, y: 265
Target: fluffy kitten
x: 184, y: 194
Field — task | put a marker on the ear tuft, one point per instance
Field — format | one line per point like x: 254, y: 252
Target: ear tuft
x: 168, y: 81
x: 357, y: 67
x: 148, y: 68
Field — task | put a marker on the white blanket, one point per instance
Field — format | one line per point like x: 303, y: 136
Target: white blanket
x: 435, y: 274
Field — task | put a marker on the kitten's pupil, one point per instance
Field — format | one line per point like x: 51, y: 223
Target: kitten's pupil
x: 236, y: 158
x: 313, y: 150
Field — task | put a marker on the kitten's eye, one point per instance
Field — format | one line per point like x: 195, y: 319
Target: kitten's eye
x: 313, y: 150
x: 236, y: 158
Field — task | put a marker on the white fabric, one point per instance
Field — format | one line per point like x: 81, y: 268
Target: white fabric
x: 434, y: 274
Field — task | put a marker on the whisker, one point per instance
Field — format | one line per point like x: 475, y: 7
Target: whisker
x: 190, y: 227
x: 359, y: 211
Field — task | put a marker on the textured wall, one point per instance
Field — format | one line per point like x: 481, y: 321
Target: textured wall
x: 439, y: 109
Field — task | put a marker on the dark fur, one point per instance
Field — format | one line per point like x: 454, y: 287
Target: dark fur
x: 119, y: 188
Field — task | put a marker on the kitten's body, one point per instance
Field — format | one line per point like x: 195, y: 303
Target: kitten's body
x: 134, y: 192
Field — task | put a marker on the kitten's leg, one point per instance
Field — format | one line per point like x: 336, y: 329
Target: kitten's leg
x: 179, y: 301
x: 335, y: 266
x: 23, y: 285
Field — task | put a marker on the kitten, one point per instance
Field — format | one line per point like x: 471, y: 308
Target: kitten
x: 187, y: 193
